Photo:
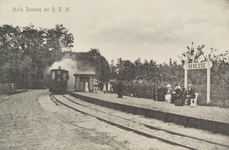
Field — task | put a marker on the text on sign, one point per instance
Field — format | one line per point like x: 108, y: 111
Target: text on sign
x: 202, y: 65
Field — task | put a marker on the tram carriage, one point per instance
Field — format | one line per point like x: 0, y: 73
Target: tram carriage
x: 58, y: 81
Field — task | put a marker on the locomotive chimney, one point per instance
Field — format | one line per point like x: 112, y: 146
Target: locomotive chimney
x: 59, y: 67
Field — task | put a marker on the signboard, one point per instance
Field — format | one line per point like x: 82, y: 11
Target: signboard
x: 201, y: 65
x: 197, y: 66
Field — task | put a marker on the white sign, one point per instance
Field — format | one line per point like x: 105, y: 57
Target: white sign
x: 201, y: 65
x: 197, y: 66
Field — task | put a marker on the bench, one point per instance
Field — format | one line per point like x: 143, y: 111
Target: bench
x: 193, y: 102
x: 168, y: 98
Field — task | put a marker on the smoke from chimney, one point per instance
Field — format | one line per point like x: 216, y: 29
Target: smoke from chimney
x: 73, y: 67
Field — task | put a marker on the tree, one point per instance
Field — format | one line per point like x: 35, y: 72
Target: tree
x: 28, y: 49
x: 125, y: 70
x: 113, y: 72
x: 138, y: 65
x: 193, y: 55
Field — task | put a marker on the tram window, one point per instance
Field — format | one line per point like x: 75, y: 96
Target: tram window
x: 59, y: 72
x: 53, y: 75
x: 64, y: 76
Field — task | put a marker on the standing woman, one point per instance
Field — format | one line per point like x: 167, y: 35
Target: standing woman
x: 86, y: 87
x: 104, y: 88
x: 168, y: 96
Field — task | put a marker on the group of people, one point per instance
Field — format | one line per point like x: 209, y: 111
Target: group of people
x: 107, y: 87
x: 179, y: 96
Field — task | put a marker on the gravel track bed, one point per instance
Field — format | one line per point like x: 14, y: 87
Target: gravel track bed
x: 186, y: 136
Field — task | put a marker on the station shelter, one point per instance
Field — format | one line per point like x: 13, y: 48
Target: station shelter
x: 84, y: 81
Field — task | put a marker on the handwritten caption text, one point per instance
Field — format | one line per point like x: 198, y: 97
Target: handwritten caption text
x: 45, y: 9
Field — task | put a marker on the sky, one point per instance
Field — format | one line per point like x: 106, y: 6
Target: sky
x: 129, y: 29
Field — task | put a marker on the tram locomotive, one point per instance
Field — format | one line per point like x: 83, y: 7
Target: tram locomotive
x: 58, y: 81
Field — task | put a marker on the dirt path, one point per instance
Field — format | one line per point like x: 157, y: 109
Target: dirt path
x: 31, y: 120
x: 25, y: 124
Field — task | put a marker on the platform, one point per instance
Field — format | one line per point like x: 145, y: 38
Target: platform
x: 213, y: 119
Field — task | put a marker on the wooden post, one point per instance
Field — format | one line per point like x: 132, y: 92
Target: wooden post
x: 77, y: 83
x: 208, y: 81
x: 186, y: 73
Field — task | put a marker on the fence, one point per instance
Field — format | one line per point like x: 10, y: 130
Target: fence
x: 7, y: 88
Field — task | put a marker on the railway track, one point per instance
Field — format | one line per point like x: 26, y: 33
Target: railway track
x: 142, y: 126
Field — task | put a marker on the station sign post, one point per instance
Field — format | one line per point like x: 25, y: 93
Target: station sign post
x: 202, y: 65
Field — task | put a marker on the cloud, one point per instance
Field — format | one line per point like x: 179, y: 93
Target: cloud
x: 156, y: 29
x: 175, y: 26
x: 164, y: 30
x: 127, y: 27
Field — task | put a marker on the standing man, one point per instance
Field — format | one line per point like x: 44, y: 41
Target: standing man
x: 120, y: 88
x: 161, y: 93
x: 190, y: 94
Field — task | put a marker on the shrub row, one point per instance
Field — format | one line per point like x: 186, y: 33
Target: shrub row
x: 146, y: 89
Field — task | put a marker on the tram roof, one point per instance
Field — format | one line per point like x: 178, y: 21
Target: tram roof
x: 58, y: 69
x: 85, y: 73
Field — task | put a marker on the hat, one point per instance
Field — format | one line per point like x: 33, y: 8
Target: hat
x: 189, y: 84
x: 168, y: 86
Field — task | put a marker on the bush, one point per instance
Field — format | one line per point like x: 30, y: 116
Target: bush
x: 140, y: 88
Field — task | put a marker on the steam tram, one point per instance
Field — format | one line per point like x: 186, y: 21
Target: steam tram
x: 58, y: 81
